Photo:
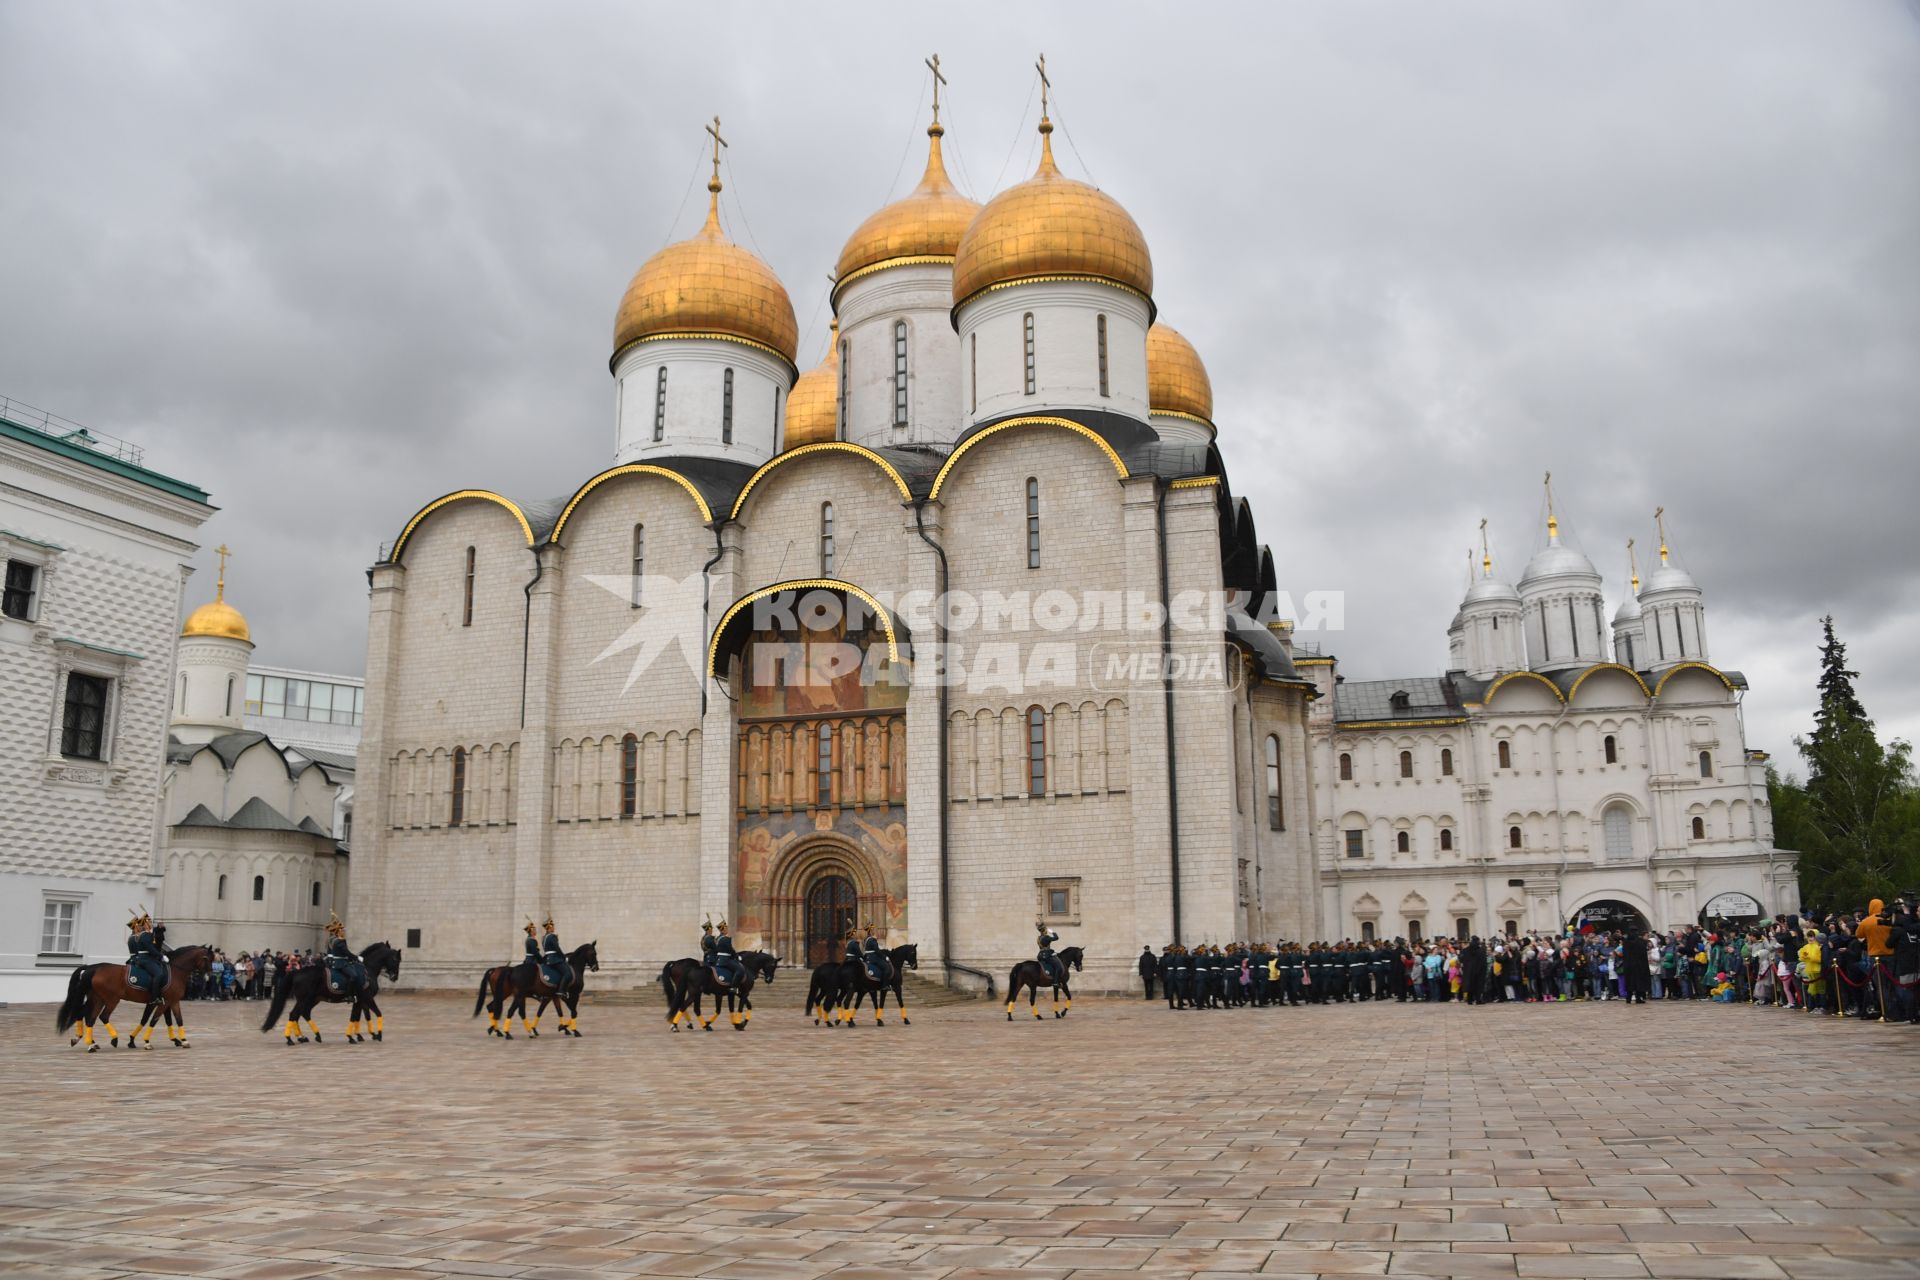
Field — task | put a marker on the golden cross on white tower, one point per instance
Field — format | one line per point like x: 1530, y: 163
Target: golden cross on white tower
x: 1660, y: 520
x: 1633, y: 568
x: 1553, y: 522
x: 1486, y: 556
x: 220, y: 583
x: 933, y: 65
x: 1045, y: 84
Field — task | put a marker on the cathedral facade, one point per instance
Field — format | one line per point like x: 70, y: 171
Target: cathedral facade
x: 932, y: 637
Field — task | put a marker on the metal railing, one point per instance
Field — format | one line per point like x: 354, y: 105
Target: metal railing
x: 70, y: 432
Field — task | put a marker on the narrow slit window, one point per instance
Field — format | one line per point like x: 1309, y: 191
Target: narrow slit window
x: 1446, y: 762
x: 1513, y: 837
x: 259, y: 888
x: 660, y: 405
x: 973, y: 372
x: 639, y: 561
x: 824, y: 766
x: 466, y: 607
x: 1276, y: 811
x: 900, y: 373
x: 1033, y: 523
x: 1036, y: 751
x: 1406, y: 764
x: 826, y: 539
x: 1613, y: 750
x: 1027, y: 324
x: 726, y: 407
x: 1506, y: 755
x: 629, y: 775
x: 1346, y: 767
x: 1446, y: 839
x: 457, y: 813
x: 1100, y: 326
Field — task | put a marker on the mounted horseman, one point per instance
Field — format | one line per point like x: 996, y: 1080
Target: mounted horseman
x: 346, y: 975
x: 555, y: 970
x: 1048, y: 960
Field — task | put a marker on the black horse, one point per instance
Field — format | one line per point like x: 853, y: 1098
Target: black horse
x: 833, y: 983
x: 307, y: 987
x: 687, y: 981
x: 1033, y: 975
x: 527, y: 980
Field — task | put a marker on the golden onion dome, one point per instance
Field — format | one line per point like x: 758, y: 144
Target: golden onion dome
x: 813, y: 406
x: 1177, y: 382
x: 924, y: 226
x: 217, y: 617
x: 707, y: 287
x: 1051, y: 226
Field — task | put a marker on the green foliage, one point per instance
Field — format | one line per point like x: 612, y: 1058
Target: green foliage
x: 1856, y: 818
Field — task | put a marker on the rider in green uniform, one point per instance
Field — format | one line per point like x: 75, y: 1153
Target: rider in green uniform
x: 1049, y: 961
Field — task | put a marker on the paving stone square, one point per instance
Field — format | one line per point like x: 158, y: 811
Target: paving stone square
x: 1125, y: 1140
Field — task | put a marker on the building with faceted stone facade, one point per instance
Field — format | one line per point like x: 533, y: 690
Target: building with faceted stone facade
x: 97, y: 549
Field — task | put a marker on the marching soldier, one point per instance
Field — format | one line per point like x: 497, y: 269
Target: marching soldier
x: 1149, y: 970
x: 1170, y: 975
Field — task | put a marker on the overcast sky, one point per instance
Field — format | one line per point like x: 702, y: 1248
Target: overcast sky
x: 332, y: 261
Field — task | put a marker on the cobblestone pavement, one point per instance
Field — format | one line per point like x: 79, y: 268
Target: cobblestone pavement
x: 1579, y: 1140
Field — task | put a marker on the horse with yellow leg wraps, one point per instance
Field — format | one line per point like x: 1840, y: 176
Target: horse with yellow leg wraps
x: 95, y: 991
x: 686, y: 983
x: 1035, y: 974
x: 296, y: 993
x: 537, y: 981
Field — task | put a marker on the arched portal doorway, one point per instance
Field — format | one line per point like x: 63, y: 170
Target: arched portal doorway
x: 832, y: 909
x: 1608, y: 915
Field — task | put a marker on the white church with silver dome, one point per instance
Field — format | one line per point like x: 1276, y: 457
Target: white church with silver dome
x: 632, y: 706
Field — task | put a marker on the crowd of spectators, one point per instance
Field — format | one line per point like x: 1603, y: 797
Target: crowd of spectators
x: 247, y: 976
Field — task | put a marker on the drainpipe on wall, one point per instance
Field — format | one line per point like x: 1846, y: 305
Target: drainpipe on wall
x: 706, y: 606
x: 526, y: 632
x: 948, y: 965
x: 1166, y: 683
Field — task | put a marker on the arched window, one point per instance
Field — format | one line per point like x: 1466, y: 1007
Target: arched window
x: 1616, y: 827
x: 846, y: 363
x: 1027, y: 325
x: 1513, y: 838
x: 1506, y: 754
x: 1406, y: 764
x: 1699, y: 828
x: 1276, y: 811
x: 1513, y: 928
x: 629, y: 776
x: 1413, y: 931
x: 259, y: 888
x: 1403, y: 842
x: 1706, y: 764
x: 1100, y: 327
x: 466, y: 607
x: 726, y: 407
x: 1036, y: 751
x: 220, y: 890
x: 823, y: 763
x: 660, y: 405
x: 1446, y: 762
x: 639, y: 561
x: 457, y: 813
x: 1446, y: 839
x: 182, y: 706
x: 1462, y: 928
x: 314, y: 897
x: 1366, y: 931
x: 229, y: 710
x: 1612, y: 749
x: 900, y: 373
x: 1346, y: 767
x: 826, y: 539
x: 1033, y: 523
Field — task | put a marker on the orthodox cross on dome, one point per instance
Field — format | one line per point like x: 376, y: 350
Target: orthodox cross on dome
x: 1660, y: 521
x: 1553, y: 521
x: 1633, y: 568
x: 1486, y: 556
x: 220, y: 583
x: 713, y: 184
x: 933, y: 65
x: 1045, y: 85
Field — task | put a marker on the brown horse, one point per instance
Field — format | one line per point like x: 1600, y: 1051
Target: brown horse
x: 1033, y: 975
x: 96, y: 990
x: 516, y: 982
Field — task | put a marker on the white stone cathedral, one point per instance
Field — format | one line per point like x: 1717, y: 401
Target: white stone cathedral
x: 627, y: 707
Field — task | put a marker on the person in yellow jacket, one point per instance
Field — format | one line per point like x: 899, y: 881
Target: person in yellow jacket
x: 1816, y: 979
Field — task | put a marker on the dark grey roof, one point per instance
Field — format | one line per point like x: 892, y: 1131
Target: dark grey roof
x: 313, y: 828
x: 333, y: 760
x: 1424, y: 698
x: 228, y: 746
x: 199, y: 816
x: 179, y: 752
x: 257, y: 815
x: 1268, y: 651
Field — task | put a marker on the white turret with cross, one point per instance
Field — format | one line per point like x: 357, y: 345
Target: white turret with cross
x: 210, y: 667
